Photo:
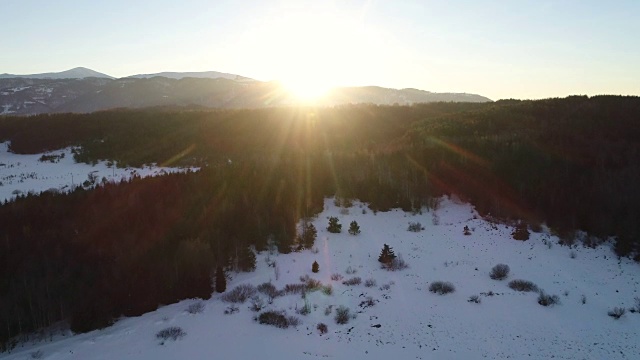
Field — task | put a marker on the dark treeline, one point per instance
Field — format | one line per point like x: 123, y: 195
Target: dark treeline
x: 123, y: 249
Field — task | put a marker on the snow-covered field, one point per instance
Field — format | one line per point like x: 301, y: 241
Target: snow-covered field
x: 20, y: 174
x: 410, y: 322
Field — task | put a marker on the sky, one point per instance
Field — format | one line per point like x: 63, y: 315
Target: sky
x: 499, y: 49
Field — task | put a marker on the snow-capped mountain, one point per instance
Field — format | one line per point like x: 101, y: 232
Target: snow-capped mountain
x: 75, y: 73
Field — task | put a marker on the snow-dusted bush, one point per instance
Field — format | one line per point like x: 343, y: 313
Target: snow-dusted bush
x: 239, y: 294
x: 327, y: 290
x: 342, y: 315
x: 441, y: 287
x: 396, y: 264
x: 415, y: 227
x: 617, y: 312
x: 291, y: 289
x: 256, y: 303
x: 269, y: 290
x: 353, y: 281
x: 313, y: 285
x: 37, y: 354
x: 548, y: 300
x: 336, y: 277
x: 474, y: 299
x: 196, y: 308
x: 171, y: 333
x: 351, y: 271
x: 499, y: 272
x: 370, y: 282
x: 274, y: 318
x: 230, y: 310
x: 368, y: 302
x: 523, y: 285
x: 323, y: 328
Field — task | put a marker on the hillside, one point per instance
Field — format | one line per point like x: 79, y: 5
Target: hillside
x: 27, y: 95
x: 403, y: 319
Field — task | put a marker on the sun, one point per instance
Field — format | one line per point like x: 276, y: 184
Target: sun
x: 306, y: 88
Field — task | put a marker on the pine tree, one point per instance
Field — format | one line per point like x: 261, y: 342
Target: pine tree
x: 315, y: 267
x: 521, y: 232
x: 221, y: 280
x: 246, y: 259
x: 309, y: 234
x: 386, y: 255
x: 354, y: 228
x: 334, y: 226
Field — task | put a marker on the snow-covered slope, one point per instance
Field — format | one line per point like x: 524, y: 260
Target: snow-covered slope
x: 57, y: 171
x: 406, y: 321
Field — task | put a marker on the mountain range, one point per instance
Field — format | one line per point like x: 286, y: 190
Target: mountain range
x: 82, y: 90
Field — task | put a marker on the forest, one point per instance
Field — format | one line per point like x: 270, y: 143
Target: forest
x: 122, y: 249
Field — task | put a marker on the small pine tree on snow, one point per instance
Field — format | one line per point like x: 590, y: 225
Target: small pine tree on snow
x: 334, y: 226
x: 354, y: 228
x: 221, y: 280
x: 315, y: 267
x: 521, y: 232
x: 386, y: 255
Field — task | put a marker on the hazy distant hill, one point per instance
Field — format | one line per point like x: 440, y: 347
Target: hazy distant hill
x: 70, y: 91
x: 75, y: 73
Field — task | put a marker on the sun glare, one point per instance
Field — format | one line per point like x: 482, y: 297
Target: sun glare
x: 311, y: 50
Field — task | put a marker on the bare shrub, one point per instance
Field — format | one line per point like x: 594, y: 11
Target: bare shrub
x: 353, y: 281
x: 327, y: 290
x: 323, y: 328
x: 37, y: 354
x: 415, y: 227
x: 269, y: 290
x: 548, y: 300
x: 171, y: 333
x: 305, y: 310
x: 313, y: 285
x: 256, y: 304
x: 499, y: 272
x: 231, y: 310
x: 397, y: 263
x: 385, y: 287
x: 342, y: 315
x: 293, y: 321
x: 291, y: 289
x: 351, y: 271
x: 328, y: 310
x: 370, y: 282
x: 617, y: 312
x: 368, y: 302
x: 336, y: 277
x: 474, y: 299
x: 196, y: 308
x: 441, y: 287
x: 239, y: 294
x: 523, y: 285
x: 274, y: 318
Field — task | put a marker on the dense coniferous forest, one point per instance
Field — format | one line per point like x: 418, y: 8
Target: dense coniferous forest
x: 91, y: 256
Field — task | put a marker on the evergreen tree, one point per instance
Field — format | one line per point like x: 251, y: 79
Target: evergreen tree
x: 221, y: 280
x: 309, y: 234
x: 246, y: 259
x: 521, y: 232
x: 315, y: 267
x: 354, y: 228
x: 386, y: 255
x: 334, y: 226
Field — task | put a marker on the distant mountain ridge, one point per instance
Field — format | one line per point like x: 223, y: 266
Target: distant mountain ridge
x: 82, y: 90
x: 75, y: 73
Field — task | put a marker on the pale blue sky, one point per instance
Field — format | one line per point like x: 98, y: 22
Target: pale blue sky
x: 500, y: 49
